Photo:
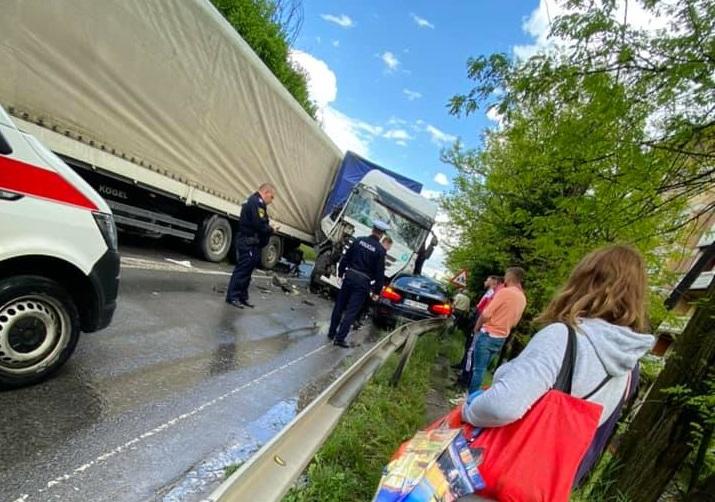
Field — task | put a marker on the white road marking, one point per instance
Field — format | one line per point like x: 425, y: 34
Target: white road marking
x: 165, y: 266
x: 176, y: 266
x: 126, y: 446
x: 183, y: 263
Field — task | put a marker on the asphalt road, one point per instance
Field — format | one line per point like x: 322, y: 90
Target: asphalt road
x: 179, y: 386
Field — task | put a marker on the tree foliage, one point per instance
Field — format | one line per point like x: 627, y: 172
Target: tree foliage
x: 606, y: 137
x: 603, y: 139
x: 269, y: 27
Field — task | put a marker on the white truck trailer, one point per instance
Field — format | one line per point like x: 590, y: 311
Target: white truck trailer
x: 174, y: 120
x: 168, y: 113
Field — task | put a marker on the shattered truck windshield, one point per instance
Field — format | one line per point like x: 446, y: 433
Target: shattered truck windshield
x: 364, y: 209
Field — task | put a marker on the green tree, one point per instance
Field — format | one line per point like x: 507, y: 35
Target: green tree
x: 603, y: 140
x: 269, y: 27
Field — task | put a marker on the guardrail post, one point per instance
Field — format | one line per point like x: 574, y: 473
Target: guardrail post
x: 407, y: 350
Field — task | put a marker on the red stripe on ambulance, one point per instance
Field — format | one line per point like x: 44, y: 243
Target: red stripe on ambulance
x: 33, y: 181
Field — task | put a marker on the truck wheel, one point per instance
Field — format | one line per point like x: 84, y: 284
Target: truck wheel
x: 319, y: 268
x: 39, y: 329
x: 215, y: 238
x: 271, y: 254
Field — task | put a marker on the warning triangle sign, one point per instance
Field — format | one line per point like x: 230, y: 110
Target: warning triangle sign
x: 460, y: 280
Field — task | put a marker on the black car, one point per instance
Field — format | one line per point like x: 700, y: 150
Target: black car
x: 412, y: 297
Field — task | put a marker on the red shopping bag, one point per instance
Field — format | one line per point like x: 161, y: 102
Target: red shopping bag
x: 535, y: 459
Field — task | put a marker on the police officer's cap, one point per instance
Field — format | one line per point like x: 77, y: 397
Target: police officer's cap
x: 380, y: 226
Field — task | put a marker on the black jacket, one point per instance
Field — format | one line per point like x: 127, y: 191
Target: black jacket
x: 367, y: 256
x: 253, y: 225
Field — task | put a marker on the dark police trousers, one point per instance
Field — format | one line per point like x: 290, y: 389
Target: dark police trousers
x: 352, y: 296
x: 248, y: 259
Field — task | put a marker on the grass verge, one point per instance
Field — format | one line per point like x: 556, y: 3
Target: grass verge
x: 350, y: 463
x: 308, y: 252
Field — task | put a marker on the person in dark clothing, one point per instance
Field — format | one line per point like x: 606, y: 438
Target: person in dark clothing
x: 362, y: 269
x: 424, y: 254
x: 369, y: 303
x: 254, y: 232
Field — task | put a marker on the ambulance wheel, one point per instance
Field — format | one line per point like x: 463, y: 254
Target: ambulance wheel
x: 214, y: 238
x: 39, y: 329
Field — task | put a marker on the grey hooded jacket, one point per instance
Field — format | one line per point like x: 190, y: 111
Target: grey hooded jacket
x: 603, y: 348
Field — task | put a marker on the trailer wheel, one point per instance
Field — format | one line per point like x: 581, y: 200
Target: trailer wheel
x: 271, y: 254
x: 215, y: 237
x: 39, y: 329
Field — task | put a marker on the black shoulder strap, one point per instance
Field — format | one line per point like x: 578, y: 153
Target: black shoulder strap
x: 600, y: 386
x: 563, y: 380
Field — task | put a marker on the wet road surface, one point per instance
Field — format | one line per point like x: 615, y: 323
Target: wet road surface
x: 179, y: 386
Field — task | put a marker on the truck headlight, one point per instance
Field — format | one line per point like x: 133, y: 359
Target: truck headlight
x: 108, y: 228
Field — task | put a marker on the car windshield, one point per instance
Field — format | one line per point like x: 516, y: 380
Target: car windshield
x: 425, y: 284
x: 366, y: 210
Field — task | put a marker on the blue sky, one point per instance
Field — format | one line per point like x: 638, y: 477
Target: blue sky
x: 395, y: 65
x: 382, y: 72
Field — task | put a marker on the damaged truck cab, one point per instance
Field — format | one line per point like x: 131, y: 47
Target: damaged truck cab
x: 350, y: 214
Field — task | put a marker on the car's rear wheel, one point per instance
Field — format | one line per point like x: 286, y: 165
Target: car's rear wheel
x: 39, y: 329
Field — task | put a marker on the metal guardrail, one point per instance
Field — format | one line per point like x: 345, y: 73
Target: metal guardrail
x: 271, y: 471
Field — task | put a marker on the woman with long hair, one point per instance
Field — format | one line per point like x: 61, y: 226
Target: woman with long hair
x: 604, y: 301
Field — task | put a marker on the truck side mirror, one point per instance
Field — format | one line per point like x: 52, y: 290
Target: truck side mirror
x: 5, y: 148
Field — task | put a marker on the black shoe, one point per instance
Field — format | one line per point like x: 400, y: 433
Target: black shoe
x: 331, y: 336
x: 343, y: 344
x: 246, y: 304
x: 235, y: 303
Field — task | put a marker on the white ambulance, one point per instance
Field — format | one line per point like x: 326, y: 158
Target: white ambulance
x: 59, y: 265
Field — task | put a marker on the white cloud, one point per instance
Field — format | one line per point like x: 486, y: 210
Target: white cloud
x: 348, y: 133
x: 395, y: 121
x: 411, y: 95
x: 341, y: 20
x: 438, y: 137
x: 401, y: 143
x: 494, y: 115
x: 399, y: 134
x: 420, y: 21
x: 322, y: 82
x: 371, y: 129
x: 336, y: 43
x: 390, y: 60
x: 538, y: 24
x: 441, y: 179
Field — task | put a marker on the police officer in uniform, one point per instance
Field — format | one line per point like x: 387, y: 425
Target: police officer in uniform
x: 362, y: 269
x: 254, y: 232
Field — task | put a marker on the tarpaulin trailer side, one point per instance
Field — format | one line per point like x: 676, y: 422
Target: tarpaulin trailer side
x: 169, y: 87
